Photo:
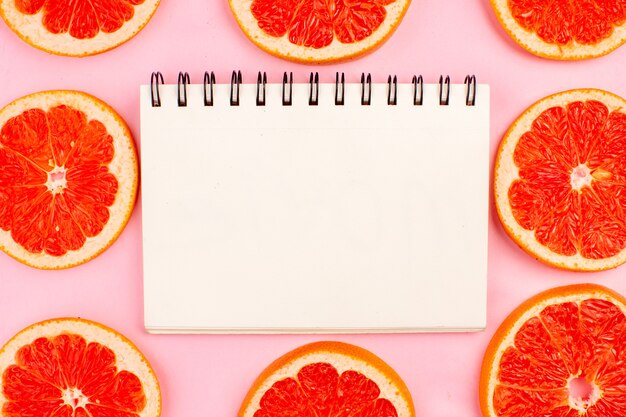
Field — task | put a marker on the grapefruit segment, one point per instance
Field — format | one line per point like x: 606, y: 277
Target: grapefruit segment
x: 560, y: 353
x: 73, y: 367
x: 27, y: 135
x: 70, y: 178
x: 563, y: 29
x: 560, y: 180
x: 317, y: 31
x: 320, y: 390
x: 329, y: 379
x: 77, y: 27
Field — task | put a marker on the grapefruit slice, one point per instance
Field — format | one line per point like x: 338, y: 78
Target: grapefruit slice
x: 68, y: 180
x: 313, y: 31
x: 564, y: 29
x: 560, y: 180
x: 77, y: 27
x: 559, y: 354
x: 76, y: 368
x: 330, y: 379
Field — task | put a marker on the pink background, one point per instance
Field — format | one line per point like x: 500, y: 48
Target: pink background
x: 204, y: 375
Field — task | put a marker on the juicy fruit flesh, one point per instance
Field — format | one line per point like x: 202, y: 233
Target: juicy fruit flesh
x: 82, y: 19
x: 55, y: 186
x: 315, y: 23
x: 564, y: 342
x: 65, y: 376
x: 562, y: 21
x: 320, y: 391
x: 571, y: 189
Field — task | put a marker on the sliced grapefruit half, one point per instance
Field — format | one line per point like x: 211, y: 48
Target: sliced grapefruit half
x: 564, y: 29
x: 313, y: 31
x: 560, y: 180
x: 77, y: 27
x: 68, y: 180
x: 328, y: 379
x: 559, y: 354
x: 76, y: 368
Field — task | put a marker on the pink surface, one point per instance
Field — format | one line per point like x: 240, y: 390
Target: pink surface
x: 205, y: 375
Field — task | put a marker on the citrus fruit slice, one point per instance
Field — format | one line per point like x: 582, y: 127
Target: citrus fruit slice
x: 330, y: 379
x: 75, y: 368
x: 564, y: 29
x: 314, y: 31
x: 562, y: 353
x: 77, y: 27
x: 560, y: 180
x: 68, y: 180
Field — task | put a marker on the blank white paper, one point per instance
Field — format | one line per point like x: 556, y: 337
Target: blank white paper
x: 315, y: 218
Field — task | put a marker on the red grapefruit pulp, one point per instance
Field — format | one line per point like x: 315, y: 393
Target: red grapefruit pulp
x: 328, y: 379
x: 563, y: 29
x: 68, y: 178
x: 318, y: 31
x: 77, y: 27
x: 560, y: 180
x: 560, y: 354
x: 75, y: 368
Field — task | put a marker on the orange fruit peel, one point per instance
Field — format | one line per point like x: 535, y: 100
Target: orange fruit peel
x: 309, y: 32
x: 69, y: 179
x: 559, y: 180
x: 552, y: 342
x: 80, y: 28
x: 328, y: 375
x: 69, y: 366
x: 564, y: 30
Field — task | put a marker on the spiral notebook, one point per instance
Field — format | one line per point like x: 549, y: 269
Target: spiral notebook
x: 314, y: 206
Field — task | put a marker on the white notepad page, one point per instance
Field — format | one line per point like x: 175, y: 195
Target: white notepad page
x: 315, y: 218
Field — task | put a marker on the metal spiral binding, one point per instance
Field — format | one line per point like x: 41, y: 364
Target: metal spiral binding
x: 235, y: 84
x: 209, y: 83
x: 314, y: 89
x: 418, y: 90
x: 366, y: 89
x: 392, y: 91
x: 470, y: 97
x: 444, y: 90
x: 340, y: 89
x: 261, y: 81
x: 155, y: 80
x: 183, y: 81
x: 287, y: 92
